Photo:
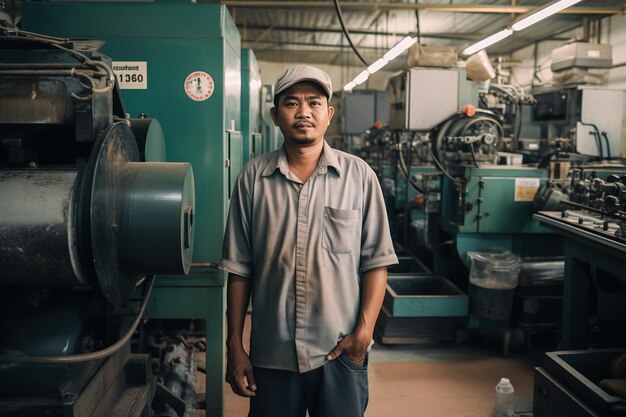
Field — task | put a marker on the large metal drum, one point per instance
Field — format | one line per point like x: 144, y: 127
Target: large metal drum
x: 104, y: 224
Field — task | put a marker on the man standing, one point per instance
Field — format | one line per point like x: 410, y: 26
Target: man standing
x: 308, y: 237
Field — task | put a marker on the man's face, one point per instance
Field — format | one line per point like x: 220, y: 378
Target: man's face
x: 303, y: 113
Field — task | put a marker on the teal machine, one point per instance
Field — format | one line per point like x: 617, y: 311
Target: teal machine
x: 84, y: 228
x: 180, y: 63
x: 250, y: 105
x: 272, y: 136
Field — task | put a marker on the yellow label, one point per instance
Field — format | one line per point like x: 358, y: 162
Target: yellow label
x: 526, y: 188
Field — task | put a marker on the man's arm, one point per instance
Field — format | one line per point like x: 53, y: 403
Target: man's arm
x: 239, y: 368
x: 373, y: 285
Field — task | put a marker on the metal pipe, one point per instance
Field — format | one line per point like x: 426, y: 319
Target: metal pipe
x: 250, y: 42
x: 464, y: 36
x: 618, y: 215
x: 453, y: 8
x: 47, y: 73
x: 47, y: 65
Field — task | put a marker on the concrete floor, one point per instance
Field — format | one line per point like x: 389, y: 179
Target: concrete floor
x: 435, y: 381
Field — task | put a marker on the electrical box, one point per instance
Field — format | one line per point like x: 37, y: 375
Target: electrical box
x: 361, y: 109
x: 594, y: 113
x: 582, y: 54
x: 421, y: 98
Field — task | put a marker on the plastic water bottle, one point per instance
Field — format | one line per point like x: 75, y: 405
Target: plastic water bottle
x: 504, y: 398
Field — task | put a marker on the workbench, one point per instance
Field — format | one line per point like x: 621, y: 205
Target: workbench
x: 585, y: 246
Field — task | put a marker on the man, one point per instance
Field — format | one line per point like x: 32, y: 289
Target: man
x: 307, y: 236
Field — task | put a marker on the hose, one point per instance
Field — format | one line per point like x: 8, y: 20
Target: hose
x: 91, y: 356
x: 608, y: 145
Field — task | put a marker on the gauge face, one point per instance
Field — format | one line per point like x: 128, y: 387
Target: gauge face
x: 199, y: 86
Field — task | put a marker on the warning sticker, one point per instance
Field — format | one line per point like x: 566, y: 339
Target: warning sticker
x: 131, y: 75
x: 526, y: 188
x: 199, y: 86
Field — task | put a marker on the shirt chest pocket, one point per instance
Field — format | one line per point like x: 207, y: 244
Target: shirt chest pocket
x: 341, y: 230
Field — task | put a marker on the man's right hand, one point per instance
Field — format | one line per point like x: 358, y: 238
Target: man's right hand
x: 239, y: 373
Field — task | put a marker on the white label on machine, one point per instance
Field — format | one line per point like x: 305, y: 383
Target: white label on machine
x: 131, y: 75
x: 593, y: 53
x: 526, y: 188
x: 199, y: 86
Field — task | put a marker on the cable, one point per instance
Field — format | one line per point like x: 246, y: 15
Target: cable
x: 417, y: 24
x: 598, y: 137
x: 76, y: 74
x: 471, y: 146
x: 345, y: 31
x: 406, y: 173
x: 91, y: 356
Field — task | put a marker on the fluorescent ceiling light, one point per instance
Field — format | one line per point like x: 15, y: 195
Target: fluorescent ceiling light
x: 377, y: 65
x: 541, y: 14
x: 361, y: 78
x: 393, y: 53
x: 400, y: 47
x: 487, y: 42
x: 349, y: 86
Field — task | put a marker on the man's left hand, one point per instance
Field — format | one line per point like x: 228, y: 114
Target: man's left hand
x: 354, y: 346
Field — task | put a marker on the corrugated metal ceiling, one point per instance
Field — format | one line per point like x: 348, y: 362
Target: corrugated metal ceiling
x: 310, y: 31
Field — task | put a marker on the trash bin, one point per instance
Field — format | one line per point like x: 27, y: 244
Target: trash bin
x: 492, y: 281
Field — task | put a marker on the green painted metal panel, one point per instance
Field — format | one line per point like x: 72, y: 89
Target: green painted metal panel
x: 272, y: 136
x: 235, y: 156
x: 250, y: 104
x: 497, y: 199
x: 160, y: 20
x: 501, y: 200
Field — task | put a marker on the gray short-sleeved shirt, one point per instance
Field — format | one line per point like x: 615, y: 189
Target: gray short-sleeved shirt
x: 304, y: 247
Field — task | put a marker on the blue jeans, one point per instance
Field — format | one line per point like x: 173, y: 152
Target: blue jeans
x: 337, y: 389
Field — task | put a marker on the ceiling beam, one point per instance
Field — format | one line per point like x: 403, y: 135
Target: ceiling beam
x: 448, y: 35
x: 450, y: 8
x: 249, y: 42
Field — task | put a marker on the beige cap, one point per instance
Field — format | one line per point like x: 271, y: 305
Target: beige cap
x: 299, y: 73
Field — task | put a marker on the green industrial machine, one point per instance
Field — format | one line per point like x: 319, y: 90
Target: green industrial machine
x: 180, y: 63
x: 493, y: 207
x: 250, y: 105
x: 272, y: 136
x: 85, y: 222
